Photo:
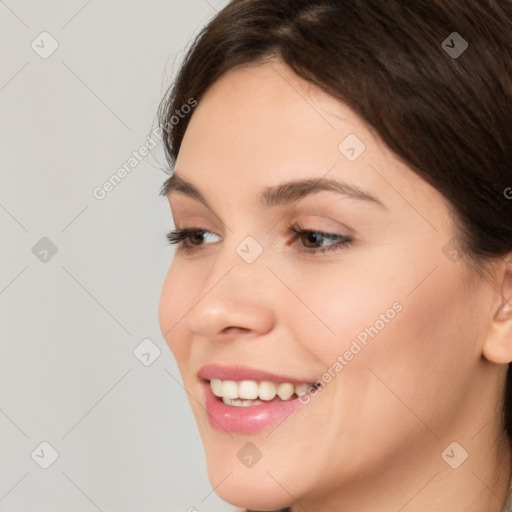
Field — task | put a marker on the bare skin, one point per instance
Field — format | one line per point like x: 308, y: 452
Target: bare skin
x: 373, y: 437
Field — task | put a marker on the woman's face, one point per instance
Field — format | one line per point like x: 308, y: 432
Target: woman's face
x: 386, y: 321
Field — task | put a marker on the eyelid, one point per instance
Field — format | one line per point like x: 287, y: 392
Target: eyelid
x: 316, y: 222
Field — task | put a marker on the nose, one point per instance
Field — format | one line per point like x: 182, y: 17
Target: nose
x: 235, y: 299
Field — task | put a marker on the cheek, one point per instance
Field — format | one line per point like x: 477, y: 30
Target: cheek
x: 408, y: 364
x: 398, y: 329
x: 176, y: 299
x: 333, y: 305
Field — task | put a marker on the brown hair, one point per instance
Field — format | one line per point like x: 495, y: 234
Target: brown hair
x: 395, y: 63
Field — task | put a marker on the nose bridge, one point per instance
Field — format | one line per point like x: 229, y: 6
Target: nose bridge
x: 234, y: 292
x: 242, y: 258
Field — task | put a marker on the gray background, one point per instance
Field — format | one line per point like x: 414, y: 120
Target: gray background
x: 70, y: 321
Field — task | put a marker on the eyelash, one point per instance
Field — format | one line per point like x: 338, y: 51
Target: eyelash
x: 178, y: 237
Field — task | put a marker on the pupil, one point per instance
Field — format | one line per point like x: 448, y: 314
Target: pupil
x: 312, y: 237
x: 197, y: 237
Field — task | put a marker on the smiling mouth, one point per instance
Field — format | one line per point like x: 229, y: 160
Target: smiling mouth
x: 247, y: 393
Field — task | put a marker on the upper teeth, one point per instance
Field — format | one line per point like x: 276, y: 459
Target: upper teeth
x: 252, y: 390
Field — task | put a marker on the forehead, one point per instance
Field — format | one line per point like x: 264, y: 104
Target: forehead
x: 260, y: 125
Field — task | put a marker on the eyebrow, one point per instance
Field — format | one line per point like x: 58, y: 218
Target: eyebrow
x: 276, y: 195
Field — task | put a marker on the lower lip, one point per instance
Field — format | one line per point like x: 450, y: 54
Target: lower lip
x: 246, y: 420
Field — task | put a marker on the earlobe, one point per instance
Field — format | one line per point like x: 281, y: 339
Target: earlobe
x: 498, y: 345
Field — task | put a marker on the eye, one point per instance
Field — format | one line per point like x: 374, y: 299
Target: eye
x: 317, y: 237
x: 189, y: 240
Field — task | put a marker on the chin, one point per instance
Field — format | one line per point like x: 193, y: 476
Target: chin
x: 249, y: 488
x: 254, y: 498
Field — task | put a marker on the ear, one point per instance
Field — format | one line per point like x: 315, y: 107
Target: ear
x: 498, y: 344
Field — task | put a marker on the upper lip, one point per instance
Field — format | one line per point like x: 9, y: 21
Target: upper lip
x: 239, y: 373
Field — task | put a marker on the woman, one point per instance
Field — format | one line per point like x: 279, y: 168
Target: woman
x: 340, y: 300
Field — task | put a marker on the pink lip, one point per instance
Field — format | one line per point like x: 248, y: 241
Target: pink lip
x: 245, y: 420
